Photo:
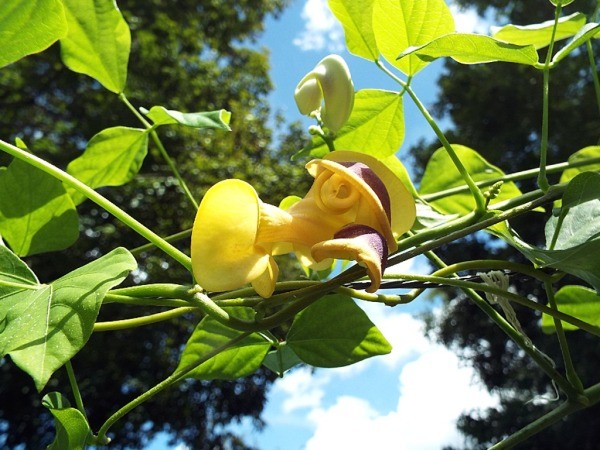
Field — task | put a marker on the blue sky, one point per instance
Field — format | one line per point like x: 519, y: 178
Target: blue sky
x: 411, y: 398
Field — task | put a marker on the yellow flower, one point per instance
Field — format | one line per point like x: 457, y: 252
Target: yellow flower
x: 347, y: 214
x: 330, y: 84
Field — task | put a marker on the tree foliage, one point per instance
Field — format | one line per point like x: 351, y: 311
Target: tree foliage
x: 195, y: 56
x: 491, y: 109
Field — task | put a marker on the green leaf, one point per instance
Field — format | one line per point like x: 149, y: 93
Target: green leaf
x: 587, y: 32
x: 15, y: 275
x: 357, y: 20
x: 592, y: 151
x: 375, y: 127
x: 441, y: 174
x: 399, y: 24
x: 36, y: 213
x: 29, y: 26
x: 540, y: 34
x: 281, y: 360
x: 242, y: 359
x: 573, y: 238
x: 72, y: 429
x: 428, y: 217
x: 207, y: 119
x: 98, y: 42
x: 577, y: 301
x: 112, y: 158
x: 395, y: 165
x: 335, y: 332
x: 561, y: 2
x: 43, y: 327
x: 467, y: 48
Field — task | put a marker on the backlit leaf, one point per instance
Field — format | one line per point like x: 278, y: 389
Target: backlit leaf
x: 593, y: 151
x: 29, y: 26
x: 112, y: 158
x: 470, y: 48
x: 441, y: 174
x: 207, y: 119
x: 577, y: 301
x: 587, y: 32
x: 357, y: 20
x: 376, y: 126
x: 98, y: 42
x: 36, y: 213
x: 400, y: 24
x: 539, y: 34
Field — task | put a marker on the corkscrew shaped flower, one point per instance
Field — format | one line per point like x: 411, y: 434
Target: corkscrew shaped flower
x: 355, y: 210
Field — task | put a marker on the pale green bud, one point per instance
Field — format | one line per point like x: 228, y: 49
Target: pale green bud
x: 328, y: 88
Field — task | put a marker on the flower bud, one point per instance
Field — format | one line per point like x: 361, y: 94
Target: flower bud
x: 328, y: 88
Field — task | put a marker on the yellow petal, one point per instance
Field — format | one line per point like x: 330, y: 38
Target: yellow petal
x: 357, y: 243
x: 264, y: 285
x: 373, y: 210
x: 223, y: 253
x: 402, y: 207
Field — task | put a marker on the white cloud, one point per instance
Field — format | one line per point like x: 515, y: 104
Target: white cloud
x: 302, y: 389
x: 433, y: 391
x: 321, y: 30
x: 468, y: 21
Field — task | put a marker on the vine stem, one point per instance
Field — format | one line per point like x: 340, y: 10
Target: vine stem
x: 590, y: 52
x: 562, y: 340
x: 142, y: 321
x: 170, y: 380
x: 75, y: 388
x: 592, y: 394
x: 100, y: 200
x: 480, y: 200
x: 161, y: 149
x: 521, y: 340
x: 522, y: 175
x: 542, y: 176
x: 437, y: 278
x: 453, y: 233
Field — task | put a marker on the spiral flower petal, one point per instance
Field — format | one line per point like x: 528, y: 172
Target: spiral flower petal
x: 359, y: 243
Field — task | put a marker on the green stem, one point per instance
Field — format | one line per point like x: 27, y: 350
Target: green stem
x: 101, y: 201
x: 161, y: 149
x: 540, y: 359
x: 562, y: 340
x: 463, y: 284
x: 480, y: 200
x: 387, y: 299
x: 210, y: 308
x: 590, y: 52
x: 24, y: 286
x: 172, y: 379
x: 424, y: 246
x: 141, y: 321
x: 516, y: 176
x: 75, y: 388
x: 172, y: 238
x: 542, y: 177
x: 494, y: 264
x: 591, y: 396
